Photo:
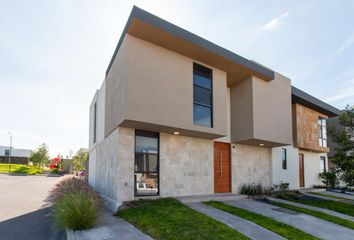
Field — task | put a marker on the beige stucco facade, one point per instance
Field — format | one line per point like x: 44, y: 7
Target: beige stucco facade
x: 261, y: 112
x: 150, y: 88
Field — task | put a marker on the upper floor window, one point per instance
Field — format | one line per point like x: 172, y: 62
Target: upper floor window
x: 323, y: 164
x: 7, y: 152
x: 284, y: 158
x: 322, y: 132
x: 202, y: 96
x: 94, y: 122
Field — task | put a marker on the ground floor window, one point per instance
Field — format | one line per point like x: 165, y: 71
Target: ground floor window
x: 284, y: 158
x: 323, y: 164
x: 146, y: 163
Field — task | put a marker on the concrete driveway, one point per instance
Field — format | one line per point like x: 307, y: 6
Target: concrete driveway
x: 22, y: 214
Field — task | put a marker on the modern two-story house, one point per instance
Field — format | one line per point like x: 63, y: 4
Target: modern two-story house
x: 177, y: 115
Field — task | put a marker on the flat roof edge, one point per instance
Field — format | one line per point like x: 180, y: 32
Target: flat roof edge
x: 190, y: 37
x: 310, y: 101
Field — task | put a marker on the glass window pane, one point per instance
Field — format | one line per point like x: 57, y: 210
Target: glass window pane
x: 140, y: 162
x: 324, y: 143
x: 145, y: 144
x: 320, y: 142
x: 323, y: 122
x: 146, y: 184
x: 319, y: 122
x: 201, y: 81
x: 202, y: 95
x: 324, y: 132
x: 152, y: 163
x: 202, y: 115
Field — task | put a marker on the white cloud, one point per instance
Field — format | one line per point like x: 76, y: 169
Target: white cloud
x: 275, y: 22
x: 347, y: 43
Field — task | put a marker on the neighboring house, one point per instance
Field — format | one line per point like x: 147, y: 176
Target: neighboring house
x: 17, y: 155
x: 177, y: 115
x: 334, y: 123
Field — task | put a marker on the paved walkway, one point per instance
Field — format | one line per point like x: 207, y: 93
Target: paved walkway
x: 329, y: 212
x: 328, y: 198
x: 337, y: 194
x: 307, y: 223
x: 109, y: 228
x: 250, y: 229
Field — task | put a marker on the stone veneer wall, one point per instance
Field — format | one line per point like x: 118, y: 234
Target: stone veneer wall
x: 250, y: 164
x: 115, y: 166
x: 305, y: 128
x: 186, y: 166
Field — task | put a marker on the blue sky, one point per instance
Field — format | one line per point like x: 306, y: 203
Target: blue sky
x: 53, y: 54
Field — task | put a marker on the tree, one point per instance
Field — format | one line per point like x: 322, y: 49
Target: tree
x: 344, y: 156
x: 80, y: 159
x: 40, y: 157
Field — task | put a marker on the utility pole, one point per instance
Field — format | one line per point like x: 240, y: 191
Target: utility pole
x: 10, y: 152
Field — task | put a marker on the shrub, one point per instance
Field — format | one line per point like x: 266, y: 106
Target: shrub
x: 75, y: 203
x: 77, y: 211
x: 329, y: 179
x: 252, y: 189
x: 66, y: 185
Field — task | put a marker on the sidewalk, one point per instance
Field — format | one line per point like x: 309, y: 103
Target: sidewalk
x: 109, y: 228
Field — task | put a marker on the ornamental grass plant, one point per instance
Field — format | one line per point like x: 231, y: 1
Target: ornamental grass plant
x: 75, y: 204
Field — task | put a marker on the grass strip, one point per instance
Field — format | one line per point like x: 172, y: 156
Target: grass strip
x: 169, y: 219
x: 20, y: 168
x: 271, y: 224
x: 324, y: 216
x: 331, y: 196
x: 341, y: 207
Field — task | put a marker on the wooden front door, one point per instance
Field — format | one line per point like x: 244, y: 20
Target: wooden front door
x: 301, y: 170
x: 222, y: 167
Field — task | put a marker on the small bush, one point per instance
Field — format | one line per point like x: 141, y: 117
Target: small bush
x: 66, y: 185
x: 76, y: 211
x: 252, y: 189
x: 75, y: 203
x: 329, y: 179
x: 319, y: 186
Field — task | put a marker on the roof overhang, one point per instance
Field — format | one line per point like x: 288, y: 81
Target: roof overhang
x: 153, y: 29
x: 298, y: 96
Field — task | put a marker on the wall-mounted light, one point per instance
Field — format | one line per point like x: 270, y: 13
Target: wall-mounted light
x: 261, y: 144
x: 176, y: 133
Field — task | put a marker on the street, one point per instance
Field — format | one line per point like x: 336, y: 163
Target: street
x: 22, y: 214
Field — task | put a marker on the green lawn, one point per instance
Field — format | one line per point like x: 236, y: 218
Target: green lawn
x: 282, y: 229
x: 170, y: 219
x: 20, y: 168
x: 331, y: 196
x: 324, y: 216
x: 345, y: 208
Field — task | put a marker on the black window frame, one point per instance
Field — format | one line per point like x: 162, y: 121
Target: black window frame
x: 7, y: 152
x: 94, y: 122
x: 209, y: 75
x: 284, y: 158
x: 155, y: 135
x: 323, y: 158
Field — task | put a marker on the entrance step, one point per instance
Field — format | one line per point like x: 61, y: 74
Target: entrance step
x: 211, y: 197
